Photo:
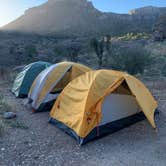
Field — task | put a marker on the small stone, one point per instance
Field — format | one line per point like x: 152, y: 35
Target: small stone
x: 2, y: 149
x: 30, y: 145
x: 9, y: 115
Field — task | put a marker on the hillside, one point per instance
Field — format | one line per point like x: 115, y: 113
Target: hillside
x: 81, y: 17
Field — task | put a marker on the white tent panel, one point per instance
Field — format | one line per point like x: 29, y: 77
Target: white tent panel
x: 51, y: 97
x: 118, y: 106
x: 40, y: 81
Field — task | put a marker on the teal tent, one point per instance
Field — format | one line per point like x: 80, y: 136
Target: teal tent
x: 25, y: 78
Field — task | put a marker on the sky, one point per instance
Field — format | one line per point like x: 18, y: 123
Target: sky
x: 12, y: 9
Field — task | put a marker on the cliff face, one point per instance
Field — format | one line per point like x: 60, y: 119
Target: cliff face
x: 58, y: 15
x: 80, y: 17
x: 148, y: 10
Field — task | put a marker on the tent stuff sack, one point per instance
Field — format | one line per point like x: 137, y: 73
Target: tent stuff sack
x: 49, y: 83
x: 25, y: 78
x: 101, y: 102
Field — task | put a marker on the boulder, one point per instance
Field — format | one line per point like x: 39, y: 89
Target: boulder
x: 9, y: 115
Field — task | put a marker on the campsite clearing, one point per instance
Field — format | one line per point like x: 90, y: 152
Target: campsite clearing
x: 44, y: 144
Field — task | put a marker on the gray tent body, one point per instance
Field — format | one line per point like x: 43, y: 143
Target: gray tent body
x: 49, y: 99
x: 118, y: 111
x: 25, y: 78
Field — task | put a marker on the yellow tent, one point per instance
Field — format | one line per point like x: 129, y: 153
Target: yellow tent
x: 80, y: 107
x: 51, y: 81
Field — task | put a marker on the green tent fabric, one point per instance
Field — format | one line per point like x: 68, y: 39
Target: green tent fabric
x: 25, y: 78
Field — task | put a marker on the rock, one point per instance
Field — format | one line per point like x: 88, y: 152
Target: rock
x: 9, y: 115
x: 2, y: 149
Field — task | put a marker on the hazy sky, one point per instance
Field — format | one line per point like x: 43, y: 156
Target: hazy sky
x: 11, y: 9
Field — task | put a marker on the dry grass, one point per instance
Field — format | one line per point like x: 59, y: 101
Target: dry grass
x: 4, y: 106
x: 7, y: 75
x: 2, y: 127
x: 14, y: 123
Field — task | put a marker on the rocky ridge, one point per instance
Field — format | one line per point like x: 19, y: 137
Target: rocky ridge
x: 81, y: 17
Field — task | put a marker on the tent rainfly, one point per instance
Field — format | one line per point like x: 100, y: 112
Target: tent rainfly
x: 101, y: 102
x: 50, y: 83
x: 25, y: 78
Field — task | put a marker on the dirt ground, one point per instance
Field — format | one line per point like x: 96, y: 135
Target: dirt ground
x: 42, y: 144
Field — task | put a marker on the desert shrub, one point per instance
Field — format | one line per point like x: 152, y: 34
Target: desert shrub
x: 30, y: 52
x: 100, y: 47
x: 135, y: 36
x: 6, y: 75
x: 4, y: 106
x: 59, y: 50
x: 133, y: 60
x: 15, y: 124
x: 160, y: 28
x: 69, y: 51
x: 73, y: 52
x: 2, y: 126
x: 163, y: 70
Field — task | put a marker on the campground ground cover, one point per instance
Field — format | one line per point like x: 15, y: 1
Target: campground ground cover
x: 41, y: 143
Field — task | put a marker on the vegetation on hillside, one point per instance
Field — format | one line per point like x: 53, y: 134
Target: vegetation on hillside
x: 134, y: 36
x: 1, y: 127
x: 30, y: 52
x: 164, y: 70
x: 133, y: 60
x: 131, y: 52
x: 100, y: 47
x: 158, y: 54
x: 69, y: 52
x: 160, y: 28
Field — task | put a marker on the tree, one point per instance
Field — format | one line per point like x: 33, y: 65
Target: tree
x: 60, y: 53
x: 107, y: 40
x: 160, y: 28
x: 163, y: 71
x: 73, y: 52
x: 18, y: 53
x: 100, y: 46
x: 30, y: 52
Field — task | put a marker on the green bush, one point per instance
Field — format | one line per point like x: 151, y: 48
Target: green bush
x: 160, y: 28
x: 69, y: 52
x: 163, y: 70
x: 99, y: 47
x: 133, y: 60
x: 2, y: 126
x: 135, y: 36
x: 30, y: 52
x: 4, y: 106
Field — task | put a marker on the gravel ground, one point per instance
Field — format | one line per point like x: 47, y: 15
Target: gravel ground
x: 42, y: 144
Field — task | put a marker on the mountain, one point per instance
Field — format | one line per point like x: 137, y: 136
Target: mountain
x: 81, y: 17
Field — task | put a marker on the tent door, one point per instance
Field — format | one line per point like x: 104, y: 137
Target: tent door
x: 118, y: 106
x: 50, y: 96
